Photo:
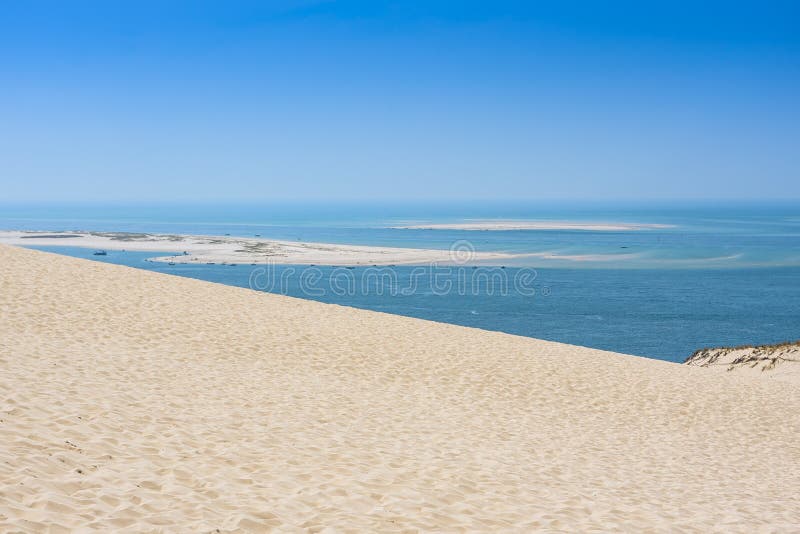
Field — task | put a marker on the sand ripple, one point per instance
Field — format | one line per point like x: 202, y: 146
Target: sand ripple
x: 132, y: 401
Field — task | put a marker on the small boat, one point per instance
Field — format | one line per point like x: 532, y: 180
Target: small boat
x: 171, y: 263
x: 100, y: 253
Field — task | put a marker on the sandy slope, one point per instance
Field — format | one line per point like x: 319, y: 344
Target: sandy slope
x: 140, y: 401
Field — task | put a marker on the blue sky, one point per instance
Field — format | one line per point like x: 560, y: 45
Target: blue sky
x: 197, y: 101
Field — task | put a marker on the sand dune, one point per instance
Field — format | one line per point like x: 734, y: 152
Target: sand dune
x: 135, y: 401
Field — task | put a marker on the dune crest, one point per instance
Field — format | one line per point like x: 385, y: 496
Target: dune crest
x: 135, y: 401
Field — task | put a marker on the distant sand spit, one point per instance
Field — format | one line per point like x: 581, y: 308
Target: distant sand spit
x: 246, y: 250
x: 136, y: 401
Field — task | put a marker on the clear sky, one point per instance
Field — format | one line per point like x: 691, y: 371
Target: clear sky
x: 231, y: 100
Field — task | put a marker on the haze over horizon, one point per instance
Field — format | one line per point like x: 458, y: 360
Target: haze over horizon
x: 200, y: 101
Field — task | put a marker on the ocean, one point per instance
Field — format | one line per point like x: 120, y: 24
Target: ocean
x: 714, y: 274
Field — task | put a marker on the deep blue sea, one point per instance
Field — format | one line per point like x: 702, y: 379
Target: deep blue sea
x: 719, y: 274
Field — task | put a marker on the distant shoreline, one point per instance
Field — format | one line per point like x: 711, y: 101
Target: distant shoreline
x: 537, y: 225
x: 198, y: 249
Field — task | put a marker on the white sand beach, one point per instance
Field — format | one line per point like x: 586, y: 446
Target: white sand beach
x: 245, y: 250
x: 536, y: 225
x: 133, y: 401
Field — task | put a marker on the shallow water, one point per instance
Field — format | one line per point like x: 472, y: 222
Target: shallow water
x: 721, y: 274
x: 700, y: 236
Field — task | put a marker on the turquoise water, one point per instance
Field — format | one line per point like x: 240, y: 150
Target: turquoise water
x: 720, y: 275
x: 701, y: 236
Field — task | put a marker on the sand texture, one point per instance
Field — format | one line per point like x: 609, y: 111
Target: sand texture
x: 132, y: 401
x: 246, y: 250
x: 778, y: 362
